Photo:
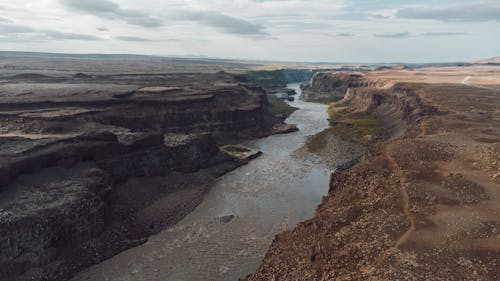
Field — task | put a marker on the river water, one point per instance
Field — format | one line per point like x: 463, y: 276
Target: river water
x: 269, y: 195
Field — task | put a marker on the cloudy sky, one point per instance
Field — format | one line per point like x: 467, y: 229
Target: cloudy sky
x: 291, y: 30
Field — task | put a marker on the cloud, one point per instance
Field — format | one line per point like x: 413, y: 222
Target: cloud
x: 132, y: 39
x: 406, y: 34
x: 107, y: 9
x: 262, y: 1
x: 379, y: 17
x: 345, y: 34
x: 477, y: 12
x: 21, y: 31
x: 437, y: 34
x: 399, y: 35
x: 2, y: 19
x: 51, y: 34
x: 224, y: 23
x: 102, y: 29
x: 13, y: 28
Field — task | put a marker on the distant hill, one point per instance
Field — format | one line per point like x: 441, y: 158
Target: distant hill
x: 77, y: 56
x: 494, y: 60
x: 54, y: 64
x: 395, y: 67
x: 14, y: 54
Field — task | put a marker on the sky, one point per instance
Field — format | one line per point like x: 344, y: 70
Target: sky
x: 278, y: 30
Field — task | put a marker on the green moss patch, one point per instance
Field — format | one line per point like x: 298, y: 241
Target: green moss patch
x: 326, y: 99
x: 353, y: 126
x: 279, y: 107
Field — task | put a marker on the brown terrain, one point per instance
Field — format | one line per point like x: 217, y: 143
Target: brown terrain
x: 93, y: 164
x: 424, y: 202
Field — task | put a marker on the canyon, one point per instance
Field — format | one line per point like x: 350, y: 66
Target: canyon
x: 226, y: 236
x: 195, y: 173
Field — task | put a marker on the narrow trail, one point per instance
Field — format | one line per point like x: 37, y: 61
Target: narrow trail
x: 404, y: 198
x: 467, y: 83
x: 423, y: 130
x: 467, y: 78
x: 405, y: 202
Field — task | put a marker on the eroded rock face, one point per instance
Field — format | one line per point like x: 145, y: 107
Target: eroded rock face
x: 83, y: 158
x: 275, y: 81
x: 59, y: 196
x: 330, y: 84
x: 47, y: 213
x: 184, y: 103
x: 335, y: 85
x: 399, y: 107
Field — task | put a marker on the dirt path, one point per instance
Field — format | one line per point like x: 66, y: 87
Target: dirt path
x: 467, y: 83
x: 405, y: 204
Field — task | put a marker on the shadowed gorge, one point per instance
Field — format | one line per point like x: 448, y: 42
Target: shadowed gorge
x: 91, y: 166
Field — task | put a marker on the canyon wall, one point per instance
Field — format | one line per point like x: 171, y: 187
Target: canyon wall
x: 416, y: 206
x: 83, y: 158
x: 332, y: 86
x: 276, y: 80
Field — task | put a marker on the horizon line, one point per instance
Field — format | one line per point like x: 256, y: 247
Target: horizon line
x: 196, y: 57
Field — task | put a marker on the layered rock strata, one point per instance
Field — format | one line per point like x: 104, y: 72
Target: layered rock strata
x: 90, y: 166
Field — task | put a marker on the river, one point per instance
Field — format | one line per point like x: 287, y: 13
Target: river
x: 269, y: 195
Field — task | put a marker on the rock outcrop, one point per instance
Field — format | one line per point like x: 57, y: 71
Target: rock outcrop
x: 392, y: 67
x: 333, y: 86
x: 276, y: 80
x: 399, y: 108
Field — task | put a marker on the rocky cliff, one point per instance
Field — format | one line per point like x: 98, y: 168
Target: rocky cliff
x: 83, y: 160
x: 276, y: 80
x: 330, y: 87
x: 59, y: 197
x: 417, y: 206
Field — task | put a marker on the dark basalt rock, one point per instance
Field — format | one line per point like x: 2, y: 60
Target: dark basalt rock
x: 224, y: 219
x: 80, y: 75
x: 81, y: 161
